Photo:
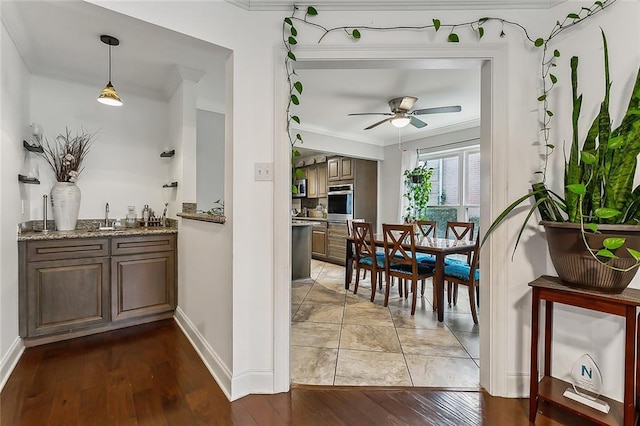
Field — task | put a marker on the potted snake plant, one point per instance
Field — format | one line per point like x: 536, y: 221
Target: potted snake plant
x: 593, y: 231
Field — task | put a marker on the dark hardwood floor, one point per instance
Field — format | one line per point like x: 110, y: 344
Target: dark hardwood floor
x: 150, y: 375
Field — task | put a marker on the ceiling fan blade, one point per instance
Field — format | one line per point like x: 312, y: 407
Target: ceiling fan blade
x: 370, y: 113
x: 415, y: 122
x: 437, y: 110
x: 378, y: 123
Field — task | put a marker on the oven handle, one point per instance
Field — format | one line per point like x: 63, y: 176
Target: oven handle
x: 339, y: 192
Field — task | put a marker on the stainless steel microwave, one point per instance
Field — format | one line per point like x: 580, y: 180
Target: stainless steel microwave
x: 301, y: 186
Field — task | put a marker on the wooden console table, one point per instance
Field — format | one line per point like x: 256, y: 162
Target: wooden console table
x: 551, y: 389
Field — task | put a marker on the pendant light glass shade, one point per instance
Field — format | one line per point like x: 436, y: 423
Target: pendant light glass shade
x: 109, y: 95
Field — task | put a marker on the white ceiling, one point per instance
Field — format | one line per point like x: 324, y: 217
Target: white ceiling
x: 61, y: 40
x: 330, y: 94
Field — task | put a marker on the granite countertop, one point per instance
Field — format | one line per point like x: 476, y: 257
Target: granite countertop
x: 315, y: 219
x: 302, y: 223
x: 95, y: 233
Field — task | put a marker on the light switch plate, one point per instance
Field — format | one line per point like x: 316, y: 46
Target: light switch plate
x: 263, y: 171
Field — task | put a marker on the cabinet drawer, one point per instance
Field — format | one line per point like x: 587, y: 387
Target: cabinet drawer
x: 67, y: 249
x: 142, y: 244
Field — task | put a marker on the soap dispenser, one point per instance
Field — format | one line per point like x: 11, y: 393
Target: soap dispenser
x: 131, y: 217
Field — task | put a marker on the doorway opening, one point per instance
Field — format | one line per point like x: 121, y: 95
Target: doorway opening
x: 490, y: 133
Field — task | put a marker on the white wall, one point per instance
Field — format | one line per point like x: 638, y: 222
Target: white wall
x: 123, y: 167
x: 254, y: 288
x: 14, y: 90
x: 390, y: 170
x: 210, y: 159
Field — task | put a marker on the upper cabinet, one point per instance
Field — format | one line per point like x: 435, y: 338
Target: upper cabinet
x: 340, y: 168
x: 316, y: 180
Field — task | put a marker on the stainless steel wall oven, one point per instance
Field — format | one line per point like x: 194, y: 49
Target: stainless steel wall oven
x: 339, y: 203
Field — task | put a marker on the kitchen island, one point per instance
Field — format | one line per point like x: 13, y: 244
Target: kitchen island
x: 301, y: 249
x: 75, y: 283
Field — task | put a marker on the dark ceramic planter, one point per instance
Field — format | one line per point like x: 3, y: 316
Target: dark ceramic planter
x: 575, y: 265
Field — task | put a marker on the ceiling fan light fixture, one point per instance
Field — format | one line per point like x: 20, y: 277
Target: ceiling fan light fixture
x: 400, y: 122
x: 109, y: 95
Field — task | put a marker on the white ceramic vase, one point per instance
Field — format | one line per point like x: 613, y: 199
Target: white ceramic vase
x: 65, y: 203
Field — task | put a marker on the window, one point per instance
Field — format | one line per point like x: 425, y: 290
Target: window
x: 455, y: 190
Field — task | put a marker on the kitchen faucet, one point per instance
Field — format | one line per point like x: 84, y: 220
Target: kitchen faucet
x: 106, y: 215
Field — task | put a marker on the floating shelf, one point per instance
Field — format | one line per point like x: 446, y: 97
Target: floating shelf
x: 25, y: 179
x: 32, y: 148
x: 168, y: 153
x: 170, y: 185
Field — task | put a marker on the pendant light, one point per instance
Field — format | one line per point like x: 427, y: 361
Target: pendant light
x: 109, y: 96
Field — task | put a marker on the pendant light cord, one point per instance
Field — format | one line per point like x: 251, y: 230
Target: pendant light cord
x: 109, y: 64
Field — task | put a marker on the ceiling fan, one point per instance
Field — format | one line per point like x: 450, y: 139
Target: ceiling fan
x: 400, y: 115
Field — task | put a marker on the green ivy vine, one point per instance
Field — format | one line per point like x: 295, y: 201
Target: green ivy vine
x: 477, y: 28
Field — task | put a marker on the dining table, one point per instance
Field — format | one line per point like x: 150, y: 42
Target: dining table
x: 438, y: 247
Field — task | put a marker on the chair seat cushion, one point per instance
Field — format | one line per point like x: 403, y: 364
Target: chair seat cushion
x: 460, y: 271
x: 452, y: 261
x: 368, y: 260
x: 431, y: 260
x: 420, y: 257
x: 423, y: 268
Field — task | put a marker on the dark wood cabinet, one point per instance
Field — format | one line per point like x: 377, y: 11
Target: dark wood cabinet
x: 79, y: 286
x: 340, y: 168
x: 67, y: 295
x: 142, y: 284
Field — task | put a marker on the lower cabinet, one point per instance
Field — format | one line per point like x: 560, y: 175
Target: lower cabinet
x: 67, y: 294
x: 74, y: 287
x: 142, y: 284
x: 336, y: 244
x: 319, y: 241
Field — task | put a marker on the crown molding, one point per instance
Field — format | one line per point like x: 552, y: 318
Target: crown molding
x: 372, y: 5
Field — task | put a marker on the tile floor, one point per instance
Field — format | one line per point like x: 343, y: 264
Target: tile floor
x: 338, y: 338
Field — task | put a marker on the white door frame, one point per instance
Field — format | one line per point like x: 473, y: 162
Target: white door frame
x: 493, y: 149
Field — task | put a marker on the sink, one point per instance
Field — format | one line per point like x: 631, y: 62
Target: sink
x: 106, y: 228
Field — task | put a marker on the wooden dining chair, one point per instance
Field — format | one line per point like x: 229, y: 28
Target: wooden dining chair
x: 426, y: 228
x: 400, y: 259
x: 366, y: 256
x: 457, y: 231
x: 466, y: 274
x: 353, y: 249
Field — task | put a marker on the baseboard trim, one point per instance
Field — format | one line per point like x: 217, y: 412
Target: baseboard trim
x: 252, y: 381
x: 10, y: 361
x: 217, y: 368
x: 518, y: 385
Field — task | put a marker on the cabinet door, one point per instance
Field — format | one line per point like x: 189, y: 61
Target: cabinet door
x: 322, y: 180
x: 66, y: 295
x: 312, y: 182
x: 142, y: 284
x: 336, y: 245
x: 346, y: 168
x: 319, y: 243
x: 333, y: 169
